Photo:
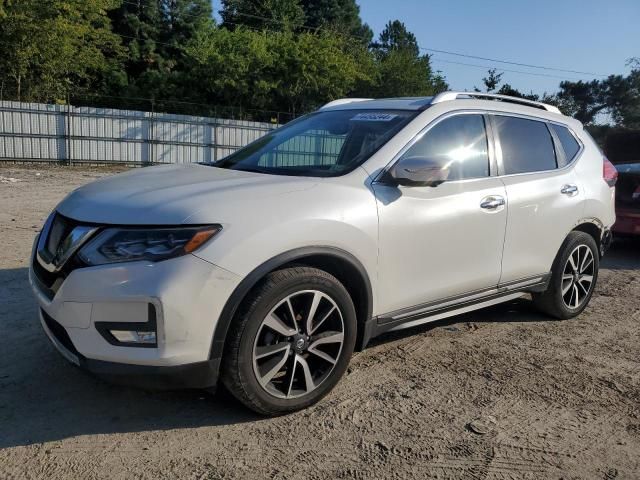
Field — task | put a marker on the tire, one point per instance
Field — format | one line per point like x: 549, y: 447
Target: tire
x: 262, y: 336
x: 560, y: 300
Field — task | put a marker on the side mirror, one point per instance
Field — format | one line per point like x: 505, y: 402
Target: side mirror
x: 419, y: 172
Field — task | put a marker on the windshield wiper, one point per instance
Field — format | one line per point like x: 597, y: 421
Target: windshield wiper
x: 248, y: 169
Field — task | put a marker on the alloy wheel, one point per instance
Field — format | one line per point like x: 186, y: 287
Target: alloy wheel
x: 577, y: 276
x: 298, y: 344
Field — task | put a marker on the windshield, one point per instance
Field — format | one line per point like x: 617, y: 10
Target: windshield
x: 322, y: 144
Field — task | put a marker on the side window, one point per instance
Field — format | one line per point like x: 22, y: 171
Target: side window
x: 458, y: 143
x: 569, y: 144
x: 527, y: 145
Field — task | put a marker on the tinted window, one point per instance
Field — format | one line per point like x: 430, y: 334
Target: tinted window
x: 569, y: 144
x: 526, y: 145
x: 325, y: 143
x: 458, y: 143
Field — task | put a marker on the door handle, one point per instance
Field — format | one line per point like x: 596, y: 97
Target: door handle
x: 492, y: 202
x: 569, y: 190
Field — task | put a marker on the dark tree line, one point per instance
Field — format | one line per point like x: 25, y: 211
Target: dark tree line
x: 266, y: 55
x: 271, y: 55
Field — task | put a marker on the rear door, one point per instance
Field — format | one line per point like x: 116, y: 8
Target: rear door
x: 544, y: 195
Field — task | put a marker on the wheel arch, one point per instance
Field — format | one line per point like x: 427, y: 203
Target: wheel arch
x: 339, y: 263
x: 595, y: 228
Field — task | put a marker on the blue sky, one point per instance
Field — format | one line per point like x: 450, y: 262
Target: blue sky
x: 582, y: 35
x: 587, y: 35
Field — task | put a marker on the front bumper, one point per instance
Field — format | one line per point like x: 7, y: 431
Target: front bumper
x: 193, y: 375
x: 187, y: 294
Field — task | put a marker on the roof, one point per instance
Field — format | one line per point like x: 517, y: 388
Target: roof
x: 421, y: 103
x: 400, y: 103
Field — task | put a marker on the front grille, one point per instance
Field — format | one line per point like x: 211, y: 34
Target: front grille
x: 60, y: 228
x: 59, y: 332
x: 50, y: 282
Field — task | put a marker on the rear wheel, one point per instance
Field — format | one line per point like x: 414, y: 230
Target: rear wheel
x: 290, y: 342
x: 573, y: 277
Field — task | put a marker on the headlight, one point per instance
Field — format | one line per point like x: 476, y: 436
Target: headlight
x: 114, y: 245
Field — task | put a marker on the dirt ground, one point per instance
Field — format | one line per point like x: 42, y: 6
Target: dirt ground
x: 503, y: 393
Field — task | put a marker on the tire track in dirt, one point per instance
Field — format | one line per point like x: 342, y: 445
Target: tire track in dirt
x: 554, y: 399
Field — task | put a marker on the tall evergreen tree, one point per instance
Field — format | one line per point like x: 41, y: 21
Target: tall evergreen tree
x: 183, y: 19
x: 396, y: 37
x: 401, y: 70
x: 275, y: 15
x: 140, y: 24
x: 155, y: 33
x: 340, y: 15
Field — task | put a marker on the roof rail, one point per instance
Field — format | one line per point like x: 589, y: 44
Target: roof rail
x: 343, y: 101
x: 446, y: 96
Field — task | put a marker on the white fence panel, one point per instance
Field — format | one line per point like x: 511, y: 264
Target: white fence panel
x: 67, y: 134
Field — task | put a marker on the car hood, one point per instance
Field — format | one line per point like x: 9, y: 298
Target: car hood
x: 173, y: 195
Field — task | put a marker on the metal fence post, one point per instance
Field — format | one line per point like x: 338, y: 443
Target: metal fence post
x: 69, y: 132
x: 152, y: 135
x: 215, y: 134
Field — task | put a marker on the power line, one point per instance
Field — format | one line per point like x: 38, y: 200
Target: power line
x: 440, y: 60
x: 511, y: 62
x: 432, y: 50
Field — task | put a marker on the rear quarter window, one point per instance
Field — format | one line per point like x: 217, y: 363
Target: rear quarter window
x: 527, y: 145
x: 569, y: 143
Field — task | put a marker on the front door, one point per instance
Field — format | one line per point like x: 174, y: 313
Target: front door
x: 445, y: 241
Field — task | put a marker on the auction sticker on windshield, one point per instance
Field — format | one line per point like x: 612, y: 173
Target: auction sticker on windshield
x: 374, y: 117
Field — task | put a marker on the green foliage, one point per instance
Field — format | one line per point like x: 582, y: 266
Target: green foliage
x: 263, y: 14
x: 54, y: 47
x: 492, y: 80
x: 400, y: 69
x: 617, y: 95
x: 507, y: 89
x: 342, y: 16
x: 394, y: 37
x: 280, y: 71
x: 276, y: 55
x: 155, y: 33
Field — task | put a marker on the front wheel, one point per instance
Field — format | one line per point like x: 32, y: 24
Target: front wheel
x: 573, y: 278
x: 290, y: 342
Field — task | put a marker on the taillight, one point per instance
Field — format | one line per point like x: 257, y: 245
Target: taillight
x: 609, y: 172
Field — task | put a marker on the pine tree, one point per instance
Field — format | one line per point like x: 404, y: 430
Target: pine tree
x: 340, y: 15
x: 275, y: 15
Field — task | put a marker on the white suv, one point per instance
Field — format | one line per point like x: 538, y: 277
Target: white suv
x: 271, y: 266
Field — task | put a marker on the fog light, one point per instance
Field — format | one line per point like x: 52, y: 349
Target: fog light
x: 131, y: 334
x: 128, y: 336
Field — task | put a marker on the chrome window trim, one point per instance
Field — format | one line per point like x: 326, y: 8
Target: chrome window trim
x: 495, y: 151
x: 561, y: 155
x: 566, y: 167
x: 575, y: 137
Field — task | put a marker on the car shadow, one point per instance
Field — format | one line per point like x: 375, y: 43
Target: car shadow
x: 44, y: 398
